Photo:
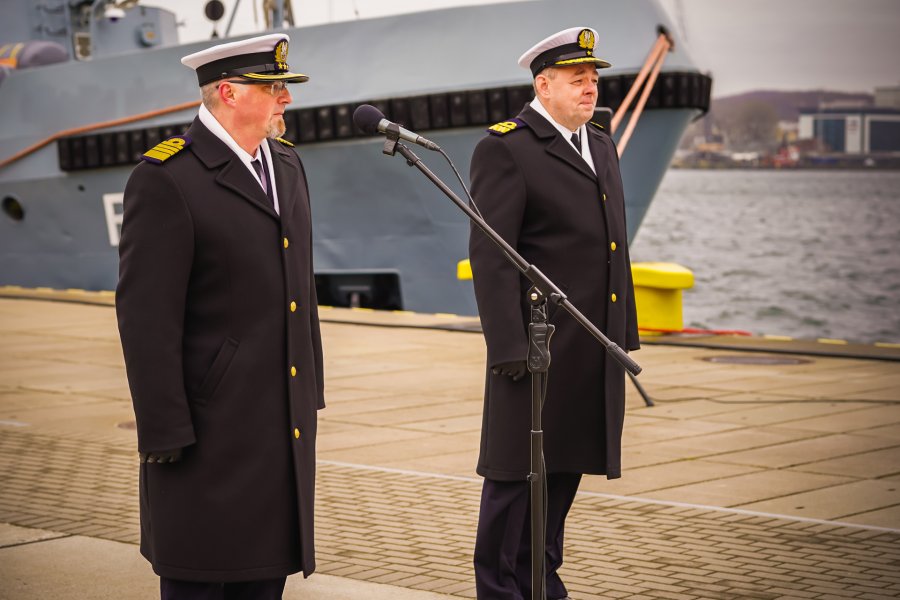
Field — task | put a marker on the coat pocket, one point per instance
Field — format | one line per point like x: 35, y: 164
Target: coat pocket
x: 217, y: 371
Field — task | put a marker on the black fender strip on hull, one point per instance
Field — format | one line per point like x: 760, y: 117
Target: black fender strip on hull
x: 447, y: 110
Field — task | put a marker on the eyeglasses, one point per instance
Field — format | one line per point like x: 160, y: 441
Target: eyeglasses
x: 273, y: 88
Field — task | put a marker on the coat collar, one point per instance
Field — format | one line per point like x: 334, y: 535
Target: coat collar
x: 556, y: 145
x: 215, y: 154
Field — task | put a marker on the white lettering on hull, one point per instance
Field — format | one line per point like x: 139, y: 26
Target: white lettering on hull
x: 112, y: 208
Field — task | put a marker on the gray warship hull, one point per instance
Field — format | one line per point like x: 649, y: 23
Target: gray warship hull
x: 384, y: 236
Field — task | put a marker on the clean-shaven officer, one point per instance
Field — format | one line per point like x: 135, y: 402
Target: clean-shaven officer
x: 548, y: 181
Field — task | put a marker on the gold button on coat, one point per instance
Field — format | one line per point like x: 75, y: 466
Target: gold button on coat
x: 604, y: 197
x: 296, y: 433
x: 293, y: 306
x: 294, y: 369
x: 613, y: 298
x: 286, y: 242
x: 612, y: 246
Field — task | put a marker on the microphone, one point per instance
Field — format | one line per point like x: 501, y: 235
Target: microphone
x: 371, y: 121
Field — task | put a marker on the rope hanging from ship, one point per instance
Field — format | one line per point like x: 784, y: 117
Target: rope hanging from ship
x: 663, y: 45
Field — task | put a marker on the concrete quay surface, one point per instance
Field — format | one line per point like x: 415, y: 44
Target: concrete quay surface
x: 758, y: 481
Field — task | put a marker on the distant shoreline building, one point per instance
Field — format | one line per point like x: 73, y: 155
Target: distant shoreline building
x: 850, y: 128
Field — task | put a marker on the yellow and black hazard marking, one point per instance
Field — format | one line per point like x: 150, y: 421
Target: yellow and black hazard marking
x: 285, y: 142
x: 163, y: 151
x: 505, y: 127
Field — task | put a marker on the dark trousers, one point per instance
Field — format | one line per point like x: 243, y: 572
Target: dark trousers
x: 267, y: 589
x: 503, y: 541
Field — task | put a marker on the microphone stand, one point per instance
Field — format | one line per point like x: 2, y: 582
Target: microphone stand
x: 539, y: 333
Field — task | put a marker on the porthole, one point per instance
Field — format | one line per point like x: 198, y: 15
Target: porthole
x: 12, y: 208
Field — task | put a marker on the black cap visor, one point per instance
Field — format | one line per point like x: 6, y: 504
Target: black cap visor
x: 562, y: 56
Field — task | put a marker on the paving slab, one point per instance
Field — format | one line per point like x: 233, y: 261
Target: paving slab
x: 871, y: 465
x: 860, y: 420
x: 884, y: 517
x: 840, y: 502
x: 806, y: 451
x: 641, y: 480
x: 660, y: 430
x: 772, y: 409
x: 680, y: 409
x: 737, y: 490
x: 718, y: 444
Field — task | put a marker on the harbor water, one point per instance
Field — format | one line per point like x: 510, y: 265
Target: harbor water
x: 806, y: 254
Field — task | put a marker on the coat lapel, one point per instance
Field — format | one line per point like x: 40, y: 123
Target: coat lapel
x: 600, y: 151
x: 286, y: 176
x: 556, y: 145
x: 232, y: 173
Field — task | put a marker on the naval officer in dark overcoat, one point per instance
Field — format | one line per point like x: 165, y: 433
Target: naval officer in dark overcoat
x: 216, y: 305
x: 548, y: 181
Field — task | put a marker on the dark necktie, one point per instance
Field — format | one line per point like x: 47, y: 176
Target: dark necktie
x: 263, y: 173
x: 577, y: 141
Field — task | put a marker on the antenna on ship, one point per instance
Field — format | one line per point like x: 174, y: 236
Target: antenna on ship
x: 278, y: 13
x: 679, y: 16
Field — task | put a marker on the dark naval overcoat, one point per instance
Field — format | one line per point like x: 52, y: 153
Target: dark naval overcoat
x: 532, y: 186
x: 217, y: 315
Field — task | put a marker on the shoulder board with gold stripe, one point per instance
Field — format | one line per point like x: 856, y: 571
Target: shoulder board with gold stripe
x: 285, y: 142
x: 505, y: 127
x: 165, y: 150
x: 598, y: 126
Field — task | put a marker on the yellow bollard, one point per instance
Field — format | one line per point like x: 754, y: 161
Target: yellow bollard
x: 464, y: 270
x: 657, y: 293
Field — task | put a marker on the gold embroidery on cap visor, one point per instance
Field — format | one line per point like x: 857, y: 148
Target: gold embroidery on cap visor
x: 601, y: 64
x: 289, y: 77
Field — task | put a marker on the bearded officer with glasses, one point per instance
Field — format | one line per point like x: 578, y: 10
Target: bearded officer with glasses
x: 217, y: 315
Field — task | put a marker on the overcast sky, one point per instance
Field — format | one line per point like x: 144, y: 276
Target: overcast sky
x: 842, y: 45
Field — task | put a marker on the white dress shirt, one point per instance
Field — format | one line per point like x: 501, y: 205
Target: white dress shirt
x: 217, y: 130
x: 567, y: 133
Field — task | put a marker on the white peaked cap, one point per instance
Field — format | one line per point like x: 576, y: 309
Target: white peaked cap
x: 571, y: 46
x: 262, y: 58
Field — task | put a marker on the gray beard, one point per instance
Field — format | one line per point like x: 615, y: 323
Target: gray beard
x: 275, y: 129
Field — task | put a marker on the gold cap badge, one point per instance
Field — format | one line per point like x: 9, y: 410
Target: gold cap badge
x: 586, y: 41
x: 281, y: 52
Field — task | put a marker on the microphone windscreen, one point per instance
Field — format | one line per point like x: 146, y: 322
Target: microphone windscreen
x: 367, y: 117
